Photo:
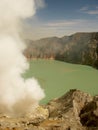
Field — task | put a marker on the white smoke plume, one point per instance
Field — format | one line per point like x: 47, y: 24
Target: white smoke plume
x: 17, y: 95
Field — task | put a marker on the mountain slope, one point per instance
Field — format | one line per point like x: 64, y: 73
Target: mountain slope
x: 80, y: 48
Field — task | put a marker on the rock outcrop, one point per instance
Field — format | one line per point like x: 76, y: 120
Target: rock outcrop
x: 75, y: 110
x: 89, y: 114
x: 79, y: 48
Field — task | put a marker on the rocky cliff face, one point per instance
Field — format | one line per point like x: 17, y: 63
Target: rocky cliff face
x: 75, y: 110
x: 79, y: 48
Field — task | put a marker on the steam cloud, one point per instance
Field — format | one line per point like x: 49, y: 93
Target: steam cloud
x: 17, y: 95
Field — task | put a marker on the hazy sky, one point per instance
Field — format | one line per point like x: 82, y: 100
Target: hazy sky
x: 64, y: 17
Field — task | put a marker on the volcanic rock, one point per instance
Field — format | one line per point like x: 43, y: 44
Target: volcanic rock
x: 79, y: 48
x: 75, y: 110
x: 89, y: 114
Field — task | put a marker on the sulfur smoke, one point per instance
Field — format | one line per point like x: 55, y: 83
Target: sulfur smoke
x: 17, y: 95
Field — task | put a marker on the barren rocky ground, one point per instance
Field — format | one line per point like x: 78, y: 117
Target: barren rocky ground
x: 75, y: 110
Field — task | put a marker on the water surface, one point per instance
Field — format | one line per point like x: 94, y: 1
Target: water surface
x: 57, y: 77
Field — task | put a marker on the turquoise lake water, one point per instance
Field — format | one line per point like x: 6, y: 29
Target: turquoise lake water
x: 57, y: 77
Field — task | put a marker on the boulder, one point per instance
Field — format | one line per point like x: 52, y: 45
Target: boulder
x: 89, y: 114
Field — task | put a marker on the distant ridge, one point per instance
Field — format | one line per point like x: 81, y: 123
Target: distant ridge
x: 79, y: 48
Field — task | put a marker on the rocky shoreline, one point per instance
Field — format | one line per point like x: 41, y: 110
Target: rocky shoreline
x: 75, y: 110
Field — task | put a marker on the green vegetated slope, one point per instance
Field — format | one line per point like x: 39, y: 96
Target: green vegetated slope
x: 57, y: 77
